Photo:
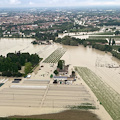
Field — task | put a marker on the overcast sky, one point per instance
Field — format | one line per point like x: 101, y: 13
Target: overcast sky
x: 57, y: 3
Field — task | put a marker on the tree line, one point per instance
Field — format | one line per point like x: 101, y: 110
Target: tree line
x: 45, y: 36
x: 107, y: 48
x: 99, y: 44
x: 116, y: 54
x: 67, y: 40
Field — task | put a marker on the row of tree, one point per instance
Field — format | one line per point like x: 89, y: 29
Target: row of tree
x: 67, y: 41
x: 116, y: 54
x: 45, y: 36
x: 107, y: 48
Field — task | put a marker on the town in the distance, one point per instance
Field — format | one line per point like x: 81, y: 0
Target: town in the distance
x: 60, y: 63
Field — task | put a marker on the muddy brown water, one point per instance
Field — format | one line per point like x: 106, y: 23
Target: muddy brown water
x: 95, y: 60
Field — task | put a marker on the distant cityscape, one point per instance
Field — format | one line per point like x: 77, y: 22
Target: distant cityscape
x: 26, y: 23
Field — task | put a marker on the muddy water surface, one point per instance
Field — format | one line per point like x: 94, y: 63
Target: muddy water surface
x: 96, y: 60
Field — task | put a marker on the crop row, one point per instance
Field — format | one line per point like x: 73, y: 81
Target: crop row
x: 107, y: 96
x: 55, y: 56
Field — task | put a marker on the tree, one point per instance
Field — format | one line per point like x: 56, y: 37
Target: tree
x: 117, y: 32
x: 113, y: 42
x: 85, y: 43
x: 34, y: 42
x: 61, y: 64
x: 10, y: 65
x: 7, y: 73
x: 73, y: 73
x: 118, y: 49
x: 56, y: 72
x: 51, y: 76
x: 59, y: 40
x: 73, y: 43
x: 28, y: 67
x: 34, y: 59
x: 110, y: 41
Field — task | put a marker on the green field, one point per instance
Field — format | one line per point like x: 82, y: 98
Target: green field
x: 105, y: 33
x: 107, y: 96
x: 98, y: 37
x: 20, y: 119
x: 97, y: 40
x: 55, y: 56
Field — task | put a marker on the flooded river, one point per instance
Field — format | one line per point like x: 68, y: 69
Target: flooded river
x: 13, y: 45
x: 24, y: 45
x: 96, y: 60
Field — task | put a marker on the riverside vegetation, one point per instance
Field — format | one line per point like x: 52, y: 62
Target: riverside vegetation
x: 97, y: 43
x: 67, y: 40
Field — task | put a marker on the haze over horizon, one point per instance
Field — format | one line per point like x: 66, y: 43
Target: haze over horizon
x: 57, y: 3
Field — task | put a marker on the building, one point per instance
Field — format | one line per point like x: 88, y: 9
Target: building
x: 63, y: 71
x: 63, y: 80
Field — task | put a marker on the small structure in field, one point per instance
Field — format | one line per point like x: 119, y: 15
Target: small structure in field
x: 16, y: 80
x: 63, y: 80
x: 63, y: 71
x: 61, y: 74
x: 28, y: 76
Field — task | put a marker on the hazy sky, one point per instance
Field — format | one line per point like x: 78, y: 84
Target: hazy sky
x: 55, y: 3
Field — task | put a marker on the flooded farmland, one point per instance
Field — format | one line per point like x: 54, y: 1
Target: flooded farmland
x: 103, y: 64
